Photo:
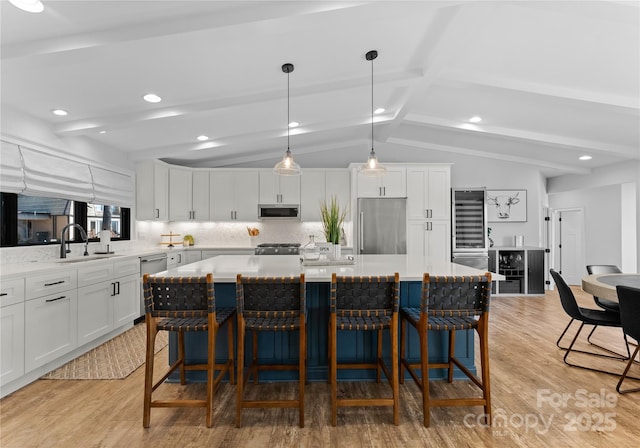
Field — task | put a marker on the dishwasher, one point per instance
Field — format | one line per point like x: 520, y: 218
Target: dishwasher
x: 150, y: 264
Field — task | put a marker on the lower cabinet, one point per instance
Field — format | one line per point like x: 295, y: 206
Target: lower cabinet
x: 11, y: 342
x: 428, y: 240
x: 95, y: 311
x: 126, y: 302
x: 50, y: 327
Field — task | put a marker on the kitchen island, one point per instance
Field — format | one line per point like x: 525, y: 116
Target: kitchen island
x: 356, y: 347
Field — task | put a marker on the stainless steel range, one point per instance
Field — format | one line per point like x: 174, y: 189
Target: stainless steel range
x: 278, y: 249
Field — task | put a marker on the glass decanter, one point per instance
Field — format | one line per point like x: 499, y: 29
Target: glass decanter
x: 311, y: 251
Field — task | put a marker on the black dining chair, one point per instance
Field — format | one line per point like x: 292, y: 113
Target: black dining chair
x: 586, y: 316
x: 605, y: 304
x: 629, y: 301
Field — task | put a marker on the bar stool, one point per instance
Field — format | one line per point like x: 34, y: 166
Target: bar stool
x: 270, y: 304
x: 449, y: 304
x: 185, y: 304
x: 365, y: 304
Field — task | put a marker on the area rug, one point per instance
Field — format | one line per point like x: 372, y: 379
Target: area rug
x: 115, y: 359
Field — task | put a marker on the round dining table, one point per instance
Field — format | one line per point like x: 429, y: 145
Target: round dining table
x: 604, y: 285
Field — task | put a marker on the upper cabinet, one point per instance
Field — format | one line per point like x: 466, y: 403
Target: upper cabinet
x: 188, y: 194
x: 428, y: 192
x: 318, y: 185
x: 152, y: 191
x: 276, y: 189
x: 392, y: 185
x: 234, y: 195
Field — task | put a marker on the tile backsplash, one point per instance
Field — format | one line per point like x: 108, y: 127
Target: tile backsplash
x: 147, y: 235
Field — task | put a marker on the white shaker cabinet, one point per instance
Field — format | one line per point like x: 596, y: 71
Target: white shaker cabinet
x: 391, y: 185
x: 188, y: 194
x: 276, y: 189
x: 428, y: 240
x: 429, y: 192
x: 234, y: 195
x: 107, y: 297
x: 318, y: 185
x: 50, y: 327
x: 152, y: 191
x: 11, y: 330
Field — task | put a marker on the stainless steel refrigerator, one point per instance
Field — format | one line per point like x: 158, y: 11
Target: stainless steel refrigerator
x: 469, y: 228
x: 382, y: 226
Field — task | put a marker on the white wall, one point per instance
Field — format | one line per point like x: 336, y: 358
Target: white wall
x: 610, y: 197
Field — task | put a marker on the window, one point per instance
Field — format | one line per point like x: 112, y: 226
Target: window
x: 34, y: 220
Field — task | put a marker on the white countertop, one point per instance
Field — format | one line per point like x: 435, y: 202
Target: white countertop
x: 226, y: 267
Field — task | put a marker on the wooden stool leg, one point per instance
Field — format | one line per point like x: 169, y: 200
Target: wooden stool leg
x: 211, y: 363
x: 333, y: 370
x: 394, y: 369
x: 302, y: 365
x: 452, y: 353
x: 148, y: 371
x: 240, y: 362
x: 329, y: 373
x: 183, y: 378
x: 254, y: 363
x: 424, y: 366
x: 230, y: 350
x: 403, y: 336
x: 483, y: 335
x: 379, y: 357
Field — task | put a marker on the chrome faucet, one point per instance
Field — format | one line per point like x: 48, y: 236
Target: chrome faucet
x: 64, y: 250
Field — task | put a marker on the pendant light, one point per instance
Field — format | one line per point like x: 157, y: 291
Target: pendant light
x: 372, y: 167
x: 287, y: 166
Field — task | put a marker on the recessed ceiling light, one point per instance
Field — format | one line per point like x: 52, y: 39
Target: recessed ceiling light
x: 294, y: 124
x: 475, y: 119
x: 585, y: 157
x: 28, y: 5
x: 379, y: 110
x: 103, y: 132
x: 60, y: 112
x: 152, y: 98
x: 202, y: 138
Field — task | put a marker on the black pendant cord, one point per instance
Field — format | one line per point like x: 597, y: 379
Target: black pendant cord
x: 371, y: 105
x: 288, y: 150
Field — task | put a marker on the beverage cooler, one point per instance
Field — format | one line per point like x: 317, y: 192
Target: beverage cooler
x: 469, y: 228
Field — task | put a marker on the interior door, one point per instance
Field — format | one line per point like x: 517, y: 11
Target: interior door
x: 571, y: 245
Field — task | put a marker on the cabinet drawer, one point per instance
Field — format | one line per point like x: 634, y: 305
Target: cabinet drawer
x: 43, y: 284
x: 95, y: 273
x: 50, y: 327
x: 11, y: 291
x: 129, y: 266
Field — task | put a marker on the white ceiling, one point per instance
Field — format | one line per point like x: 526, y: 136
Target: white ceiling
x: 552, y: 80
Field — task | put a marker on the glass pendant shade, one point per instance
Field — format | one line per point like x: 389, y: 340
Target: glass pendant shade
x: 287, y: 166
x: 372, y: 168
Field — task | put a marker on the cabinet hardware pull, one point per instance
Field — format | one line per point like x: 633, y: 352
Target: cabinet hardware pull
x: 113, y: 290
x: 56, y: 299
x: 54, y: 283
x: 118, y: 283
x: 157, y: 213
x: 384, y: 189
x: 3, y: 294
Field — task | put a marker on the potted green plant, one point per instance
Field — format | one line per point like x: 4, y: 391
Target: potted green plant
x: 332, y: 216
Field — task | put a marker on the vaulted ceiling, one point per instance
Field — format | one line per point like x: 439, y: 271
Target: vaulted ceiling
x: 552, y: 81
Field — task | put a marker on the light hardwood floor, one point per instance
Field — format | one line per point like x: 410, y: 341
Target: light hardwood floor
x: 538, y: 401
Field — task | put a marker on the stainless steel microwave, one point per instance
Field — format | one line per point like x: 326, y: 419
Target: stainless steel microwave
x: 278, y: 211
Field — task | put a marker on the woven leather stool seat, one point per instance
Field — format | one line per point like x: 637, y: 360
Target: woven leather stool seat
x: 364, y: 304
x: 183, y: 305
x: 449, y: 304
x: 270, y: 304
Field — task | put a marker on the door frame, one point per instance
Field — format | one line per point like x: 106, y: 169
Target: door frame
x: 556, y: 253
